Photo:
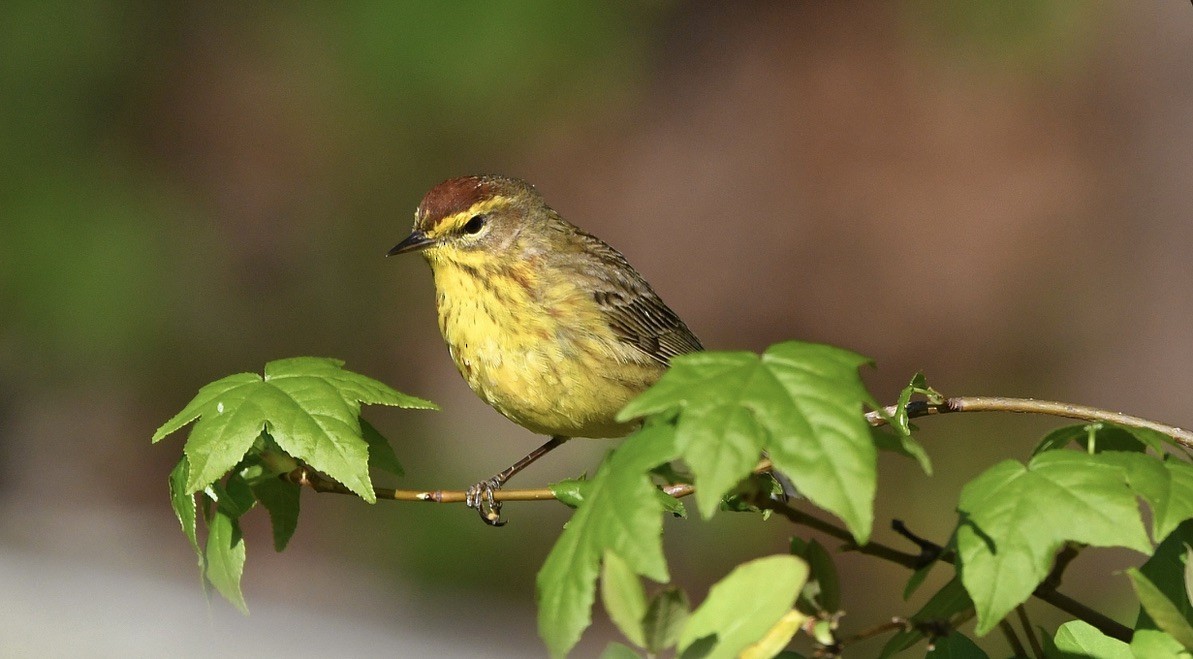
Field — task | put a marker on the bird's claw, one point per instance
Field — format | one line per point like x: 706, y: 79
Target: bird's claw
x: 480, y: 497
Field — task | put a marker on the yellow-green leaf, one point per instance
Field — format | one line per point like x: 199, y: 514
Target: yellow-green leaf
x: 619, y: 513
x: 744, y: 606
x: 623, y: 597
x: 1161, y: 609
x: 1015, y: 518
x: 225, y: 558
x: 776, y: 639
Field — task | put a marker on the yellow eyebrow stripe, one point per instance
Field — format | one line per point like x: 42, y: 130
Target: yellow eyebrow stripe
x: 457, y: 220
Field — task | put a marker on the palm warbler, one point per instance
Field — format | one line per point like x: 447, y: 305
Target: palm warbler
x: 547, y: 323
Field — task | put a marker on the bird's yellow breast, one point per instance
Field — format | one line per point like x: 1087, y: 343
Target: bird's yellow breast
x: 536, y: 346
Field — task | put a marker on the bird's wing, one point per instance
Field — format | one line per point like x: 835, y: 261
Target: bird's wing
x: 636, y: 314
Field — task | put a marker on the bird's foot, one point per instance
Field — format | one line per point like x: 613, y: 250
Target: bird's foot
x: 480, y: 497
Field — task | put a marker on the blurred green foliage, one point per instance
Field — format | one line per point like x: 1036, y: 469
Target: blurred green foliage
x: 190, y: 189
x: 117, y: 219
x: 1042, y: 37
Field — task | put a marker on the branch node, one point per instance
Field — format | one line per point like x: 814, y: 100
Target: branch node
x: 930, y: 552
x: 1063, y: 558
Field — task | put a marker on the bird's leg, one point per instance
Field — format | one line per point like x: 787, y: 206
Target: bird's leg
x: 480, y: 496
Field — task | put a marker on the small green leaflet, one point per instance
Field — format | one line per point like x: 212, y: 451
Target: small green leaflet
x: 1166, y: 569
x: 310, y: 406
x: 381, y: 454
x: 822, y: 592
x: 898, y: 439
x: 741, y: 608
x: 1154, y: 644
x: 1098, y: 437
x: 233, y: 496
x: 281, y: 500
x: 623, y: 597
x: 904, y: 445
x: 620, y: 513
x: 183, y: 503
x: 225, y: 546
x: 1081, y: 639
x: 777, y: 637
x: 1163, y: 612
x: 1188, y: 570
x: 918, y: 385
x: 666, y: 614
x: 1166, y: 486
x: 800, y: 402
x: 225, y: 558
x: 1166, y: 572
x: 570, y: 491
x: 1015, y: 518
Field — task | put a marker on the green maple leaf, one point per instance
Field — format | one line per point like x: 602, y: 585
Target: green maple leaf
x: 620, y: 514
x: 800, y: 402
x: 310, y: 406
x: 1015, y: 518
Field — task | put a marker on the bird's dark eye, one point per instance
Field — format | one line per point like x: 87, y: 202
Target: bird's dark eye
x: 474, y: 224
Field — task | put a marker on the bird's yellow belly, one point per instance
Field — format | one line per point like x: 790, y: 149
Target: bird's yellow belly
x: 556, y: 370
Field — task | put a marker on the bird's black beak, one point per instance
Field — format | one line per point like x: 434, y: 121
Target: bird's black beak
x: 415, y: 241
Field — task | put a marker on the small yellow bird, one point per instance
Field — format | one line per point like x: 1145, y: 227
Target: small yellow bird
x: 547, y: 323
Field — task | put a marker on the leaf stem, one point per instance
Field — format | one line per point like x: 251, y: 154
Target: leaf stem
x: 895, y: 624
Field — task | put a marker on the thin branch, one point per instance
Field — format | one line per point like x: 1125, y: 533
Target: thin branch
x: 308, y: 477
x: 896, y: 624
x: 320, y: 483
x: 929, y: 551
x: 1030, y: 633
x: 1066, y: 556
x: 1103, y: 623
x: 917, y: 409
x: 1007, y: 630
x: 872, y: 548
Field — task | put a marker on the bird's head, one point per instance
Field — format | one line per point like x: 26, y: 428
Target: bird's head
x: 471, y: 214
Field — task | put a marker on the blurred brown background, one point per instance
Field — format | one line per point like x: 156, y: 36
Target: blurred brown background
x: 995, y: 193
